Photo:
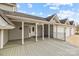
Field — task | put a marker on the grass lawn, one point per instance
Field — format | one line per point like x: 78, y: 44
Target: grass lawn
x: 74, y: 40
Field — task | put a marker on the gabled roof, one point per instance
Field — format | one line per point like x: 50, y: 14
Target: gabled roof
x: 71, y: 22
x: 54, y: 16
x: 50, y: 17
x: 5, y: 18
x: 22, y: 15
x: 3, y: 13
x: 9, y: 24
x: 63, y: 21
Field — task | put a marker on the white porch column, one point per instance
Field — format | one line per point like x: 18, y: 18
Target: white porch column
x: 52, y: 32
x: 48, y: 31
x: 42, y: 31
x: 70, y: 31
x: 36, y: 31
x: 2, y: 38
x: 64, y: 33
x: 56, y: 31
x: 22, y: 32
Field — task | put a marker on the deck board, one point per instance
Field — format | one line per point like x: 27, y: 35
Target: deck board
x: 47, y: 47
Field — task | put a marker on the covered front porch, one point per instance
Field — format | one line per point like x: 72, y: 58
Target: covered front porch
x: 26, y: 28
x: 27, y: 31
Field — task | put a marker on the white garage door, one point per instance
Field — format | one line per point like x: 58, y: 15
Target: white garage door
x: 67, y: 32
x: 72, y: 31
x: 60, y: 32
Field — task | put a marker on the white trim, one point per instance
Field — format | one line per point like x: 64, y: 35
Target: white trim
x: 2, y: 38
x: 42, y: 31
x: 36, y: 33
x: 22, y: 32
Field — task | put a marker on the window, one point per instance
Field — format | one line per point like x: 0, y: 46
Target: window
x: 20, y: 28
x: 33, y: 29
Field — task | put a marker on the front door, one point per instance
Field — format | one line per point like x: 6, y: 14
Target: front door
x: 32, y: 31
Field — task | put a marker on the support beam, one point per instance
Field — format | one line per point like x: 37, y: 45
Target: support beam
x: 48, y: 31
x: 2, y: 38
x: 36, y: 31
x: 64, y: 33
x: 22, y: 32
x: 56, y: 31
x: 52, y: 32
x: 42, y: 31
x: 70, y: 31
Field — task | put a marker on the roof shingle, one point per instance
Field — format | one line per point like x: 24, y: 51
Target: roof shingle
x: 49, y: 17
x: 71, y: 22
x: 22, y: 15
x: 63, y: 21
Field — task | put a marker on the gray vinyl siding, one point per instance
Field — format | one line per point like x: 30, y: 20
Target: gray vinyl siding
x: 46, y: 30
x: 5, y: 34
x: 3, y: 22
x: 39, y: 30
x: 0, y: 37
x: 5, y: 37
x: 17, y: 32
x: 7, y: 7
x: 51, y: 31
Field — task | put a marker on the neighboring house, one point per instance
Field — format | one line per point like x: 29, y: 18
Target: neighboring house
x: 15, y: 25
x: 77, y: 29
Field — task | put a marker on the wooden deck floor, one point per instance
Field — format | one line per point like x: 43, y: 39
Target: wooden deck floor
x: 47, y: 47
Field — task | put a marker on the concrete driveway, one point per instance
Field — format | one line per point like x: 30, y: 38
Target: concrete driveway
x: 47, y: 47
x: 74, y: 40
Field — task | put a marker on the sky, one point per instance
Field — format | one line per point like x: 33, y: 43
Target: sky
x: 63, y: 10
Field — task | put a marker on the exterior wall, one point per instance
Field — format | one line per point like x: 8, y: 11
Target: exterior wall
x: 60, y: 32
x: 5, y: 37
x: 31, y: 33
x: 0, y: 38
x: 39, y: 30
x: 7, y: 7
x: 2, y: 22
x: 51, y: 31
x: 46, y: 30
x: 17, y: 32
x: 72, y: 31
x: 68, y: 32
x: 54, y: 31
